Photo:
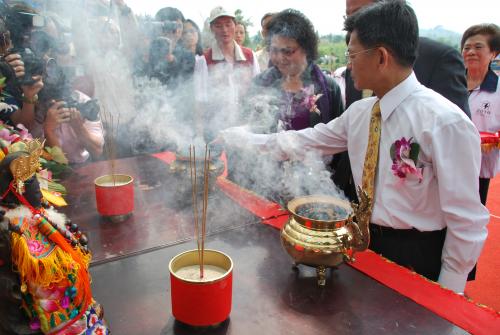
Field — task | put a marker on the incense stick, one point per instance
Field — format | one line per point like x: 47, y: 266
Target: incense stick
x: 110, y: 134
x: 205, y: 205
x: 192, y: 166
x: 200, y: 235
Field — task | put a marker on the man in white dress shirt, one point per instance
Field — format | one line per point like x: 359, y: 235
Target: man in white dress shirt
x: 427, y: 214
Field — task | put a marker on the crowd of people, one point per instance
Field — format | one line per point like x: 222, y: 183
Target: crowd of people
x: 401, y: 118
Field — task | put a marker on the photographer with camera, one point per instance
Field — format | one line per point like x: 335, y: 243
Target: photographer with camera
x: 65, y: 117
x: 20, y: 97
x: 65, y: 127
x: 169, y: 61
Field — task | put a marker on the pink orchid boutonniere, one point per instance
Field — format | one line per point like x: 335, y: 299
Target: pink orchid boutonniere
x: 310, y: 99
x: 404, y: 155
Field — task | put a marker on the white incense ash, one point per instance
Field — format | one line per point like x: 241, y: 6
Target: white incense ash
x: 111, y: 183
x: 192, y: 273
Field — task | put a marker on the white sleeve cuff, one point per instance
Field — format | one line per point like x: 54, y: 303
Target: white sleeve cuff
x: 453, y: 281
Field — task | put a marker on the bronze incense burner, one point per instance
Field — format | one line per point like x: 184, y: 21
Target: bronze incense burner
x: 182, y: 160
x: 181, y: 165
x: 321, y: 231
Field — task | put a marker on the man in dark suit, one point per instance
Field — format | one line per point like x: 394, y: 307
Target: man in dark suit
x: 438, y: 67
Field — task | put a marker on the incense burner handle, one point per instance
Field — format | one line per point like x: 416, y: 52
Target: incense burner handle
x: 359, y: 230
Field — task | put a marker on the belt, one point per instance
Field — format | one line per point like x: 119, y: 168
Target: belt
x: 388, y: 231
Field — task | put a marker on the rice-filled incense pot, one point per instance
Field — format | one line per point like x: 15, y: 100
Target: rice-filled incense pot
x: 115, y: 196
x: 206, y: 301
x: 114, y: 192
x: 201, y: 279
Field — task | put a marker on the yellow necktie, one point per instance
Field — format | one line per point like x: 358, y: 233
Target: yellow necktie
x: 371, y: 157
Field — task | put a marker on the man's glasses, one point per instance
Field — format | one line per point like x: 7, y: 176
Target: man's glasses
x: 287, y: 52
x: 350, y: 55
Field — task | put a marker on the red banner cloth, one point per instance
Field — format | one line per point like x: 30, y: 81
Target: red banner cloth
x: 258, y: 206
x: 166, y: 156
x: 487, y: 137
x: 457, y: 309
x: 169, y: 157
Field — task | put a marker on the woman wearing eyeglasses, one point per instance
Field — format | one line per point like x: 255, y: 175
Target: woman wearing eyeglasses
x: 303, y: 94
x: 480, y: 45
x: 292, y: 94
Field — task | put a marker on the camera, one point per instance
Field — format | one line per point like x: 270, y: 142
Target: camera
x: 33, y: 66
x: 58, y: 87
x: 88, y: 110
x: 159, y: 67
x: 170, y: 26
x: 20, y: 24
x: 159, y: 48
x: 157, y: 28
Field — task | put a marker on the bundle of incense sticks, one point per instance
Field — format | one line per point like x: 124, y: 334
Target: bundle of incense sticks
x: 110, y: 125
x: 199, y: 234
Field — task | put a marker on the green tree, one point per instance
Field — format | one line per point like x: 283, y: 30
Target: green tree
x: 331, y: 51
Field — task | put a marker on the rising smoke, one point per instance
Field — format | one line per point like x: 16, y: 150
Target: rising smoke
x: 154, y: 117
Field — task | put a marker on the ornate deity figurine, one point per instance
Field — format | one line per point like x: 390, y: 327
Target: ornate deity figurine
x: 48, y: 254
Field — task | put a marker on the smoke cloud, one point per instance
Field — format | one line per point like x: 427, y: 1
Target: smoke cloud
x: 155, y: 117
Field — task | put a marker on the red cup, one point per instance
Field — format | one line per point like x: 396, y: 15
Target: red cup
x: 114, y: 195
x: 201, y: 303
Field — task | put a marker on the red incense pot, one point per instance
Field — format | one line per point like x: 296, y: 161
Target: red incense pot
x: 201, y: 303
x: 115, y: 196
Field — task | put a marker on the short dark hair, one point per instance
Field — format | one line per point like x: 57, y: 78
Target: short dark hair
x: 265, y: 17
x: 491, y: 30
x: 169, y: 14
x: 293, y: 24
x: 391, y: 24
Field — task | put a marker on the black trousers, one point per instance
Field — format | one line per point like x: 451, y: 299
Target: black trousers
x: 418, y: 251
x: 413, y: 249
x: 484, y: 185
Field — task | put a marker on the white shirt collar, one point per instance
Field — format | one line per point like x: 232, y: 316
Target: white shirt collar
x: 217, y: 54
x: 391, y: 100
